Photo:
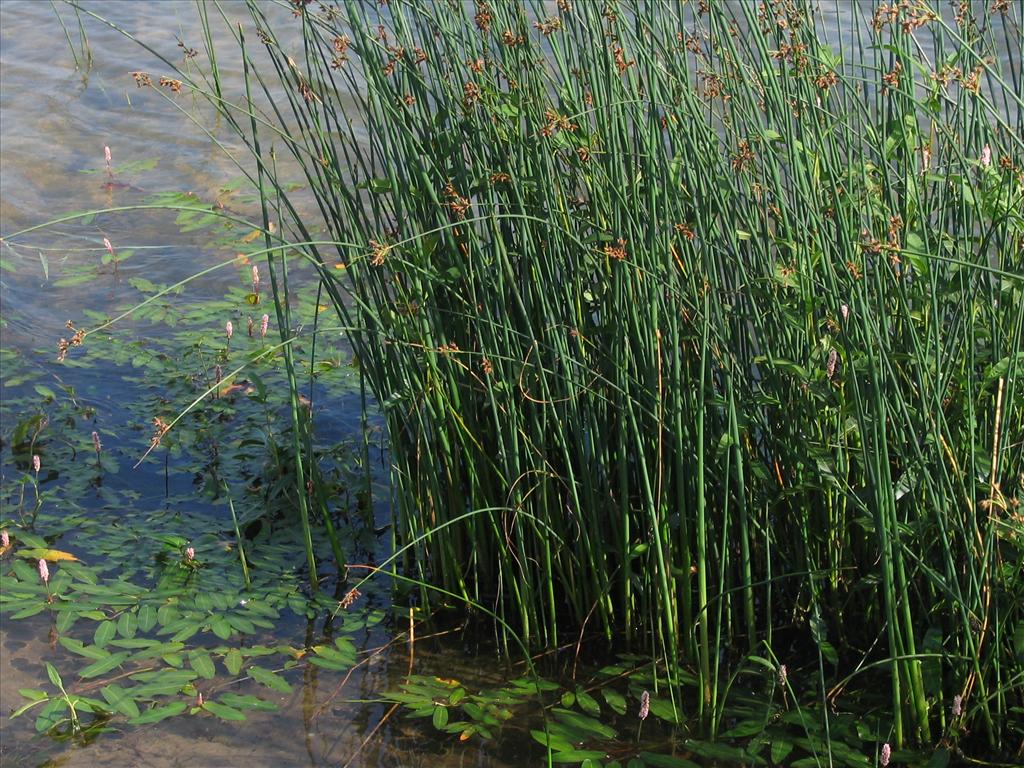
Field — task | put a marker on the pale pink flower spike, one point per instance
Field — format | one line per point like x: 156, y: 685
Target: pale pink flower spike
x: 263, y: 325
x: 229, y: 329
x: 5, y: 539
x: 986, y: 155
x: 883, y: 759
x: 37, y: 464
x: 44, y: 572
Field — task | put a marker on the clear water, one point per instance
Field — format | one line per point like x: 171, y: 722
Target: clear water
x: 56, y: 122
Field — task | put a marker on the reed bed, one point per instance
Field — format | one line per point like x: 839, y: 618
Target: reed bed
x: 696, y: 327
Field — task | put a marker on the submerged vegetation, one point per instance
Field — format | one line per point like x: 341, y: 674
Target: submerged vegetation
x: 696, y: 332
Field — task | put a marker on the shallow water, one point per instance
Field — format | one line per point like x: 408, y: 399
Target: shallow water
x: 56, y: 122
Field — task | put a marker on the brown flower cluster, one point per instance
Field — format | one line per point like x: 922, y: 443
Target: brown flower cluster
x: 458, y: 204
x: 617, y: 251
x: 548, y: 27
x: 378, y: 252
x: 910, y: 15
x: 170, y: 82
x: 621, y: 63
x: 685, y: 230
x: 161, y: 429
x: 511, y: 39
x: 341, y: 44
x: 483, y: 17
x: 142, y: 79
x: 556, y: 122
x: 743, y: 157
x: 891, y: 79
x: 64, y: 344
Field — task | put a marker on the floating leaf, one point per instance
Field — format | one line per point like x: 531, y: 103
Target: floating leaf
x: 50, y: 555
x: 233, y: 661
x: 270, y: 679
x: 201, y: 662
x: 146, y: 618
x: 440, y: 716
x: 615, y: 700
x: 120, y: 700
x: 103, y: 666
x: 88, y: 651
x: 223, y: 711
x: 240, y: 701
x: 155, y: 714
x: 104, y: 633
x: 127, y: 625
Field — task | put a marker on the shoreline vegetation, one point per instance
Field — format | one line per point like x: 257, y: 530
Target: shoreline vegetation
x: 696, y: 329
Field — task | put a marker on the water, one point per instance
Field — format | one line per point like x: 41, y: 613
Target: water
x: 57, y: 121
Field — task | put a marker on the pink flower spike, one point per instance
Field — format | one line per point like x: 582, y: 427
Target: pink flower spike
x: 106, y: 156
x: 5, y: 539
x: 44, y: 572
x: 229, y: 329
x: 255, y: 279
x: 199, y: 699
x: 108, y: 246
x: 96, y: 443
x: 190, y: 554
x: 883, y: 759
x: 263, y: 325
x: 645, y: 705
x: 986, y: 155
x: 249, y: 326
x: 36, y: 464
x: 958, y: 702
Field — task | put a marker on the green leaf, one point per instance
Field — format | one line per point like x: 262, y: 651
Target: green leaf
x: 552, y: 741
x: 146, y: 618
x: 65, y: 621
x: 780, y: 750
x: 33, y: 694
x: 223, y: 711
x: 120, y: 700
x: 127, y: 625
x: 584, y: 723
x: 51, y: 672
x: 666, y: 761
x: 155, y: 714
x: 587, y: 703
x: 233, y: 661
x: 615, y: 700
x: 440, y: 717
x: 270, y: 679
x: 201, y: 662
x: 221, y: 628
x: 103, y: 666
x: 78, y: 647
x: 104, y: 633
x: 577, y: 755
x: 240, y: 701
